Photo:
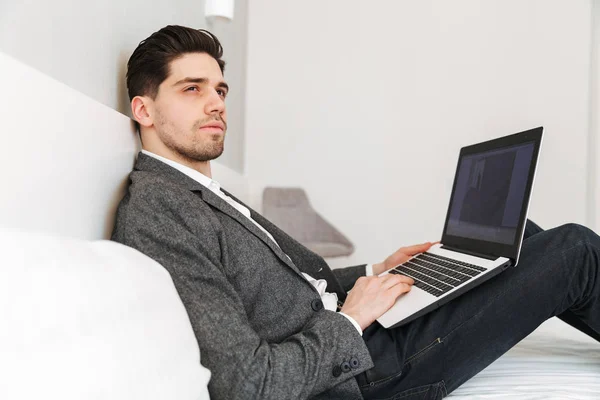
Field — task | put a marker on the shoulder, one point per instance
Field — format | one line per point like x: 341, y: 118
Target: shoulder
x: 168, y: 222
x: 154, y: 200
x: 155, y: 189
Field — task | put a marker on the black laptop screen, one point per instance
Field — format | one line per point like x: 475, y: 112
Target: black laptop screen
x: 489, y: 194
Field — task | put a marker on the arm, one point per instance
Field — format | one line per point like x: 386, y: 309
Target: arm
x: 242, y: 364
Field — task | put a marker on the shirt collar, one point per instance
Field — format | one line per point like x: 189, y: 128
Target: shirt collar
x: 192, y: 173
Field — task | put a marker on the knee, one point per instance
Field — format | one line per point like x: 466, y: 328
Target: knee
x: 531, y: 228
x: 578, y: 234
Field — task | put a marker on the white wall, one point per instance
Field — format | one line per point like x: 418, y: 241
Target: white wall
x: 59, y: 177
x: 594, y: 148
x: 367, y: 109
x: 86, y: 45
x: 43, y: 190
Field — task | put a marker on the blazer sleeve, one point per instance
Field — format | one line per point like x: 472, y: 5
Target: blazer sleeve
x: 348, y: 276
x: 243, y: 365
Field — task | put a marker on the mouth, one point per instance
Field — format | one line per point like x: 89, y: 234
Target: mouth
x: 213, y: 127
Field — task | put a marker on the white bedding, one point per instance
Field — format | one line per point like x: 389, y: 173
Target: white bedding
x: 92, y: 320
x: 554, y: 362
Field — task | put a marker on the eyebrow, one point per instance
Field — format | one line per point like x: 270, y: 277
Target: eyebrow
x: 201, y: 81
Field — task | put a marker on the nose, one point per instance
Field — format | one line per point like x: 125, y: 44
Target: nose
x: 214, y: 104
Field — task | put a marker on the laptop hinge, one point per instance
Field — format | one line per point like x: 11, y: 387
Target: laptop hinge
x: 471, y: 253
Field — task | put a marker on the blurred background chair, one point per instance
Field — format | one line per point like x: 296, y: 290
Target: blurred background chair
x: 290, y: 210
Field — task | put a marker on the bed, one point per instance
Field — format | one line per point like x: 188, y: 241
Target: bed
x: 554, y: 362
x: 64, y: 168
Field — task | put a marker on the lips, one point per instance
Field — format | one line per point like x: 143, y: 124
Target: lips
x: 215, y: 126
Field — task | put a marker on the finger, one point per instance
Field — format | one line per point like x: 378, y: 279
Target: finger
x: 390, y: 280
x: 416, y: 249
x: 402, y: 278
x: 399, y: 289
x: 406, y: 279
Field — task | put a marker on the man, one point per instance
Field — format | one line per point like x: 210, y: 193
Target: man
x: 266, y: 325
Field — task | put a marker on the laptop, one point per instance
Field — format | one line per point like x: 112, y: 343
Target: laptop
x: 484, y: 226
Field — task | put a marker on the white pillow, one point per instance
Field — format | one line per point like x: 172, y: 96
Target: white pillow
x: 92, y: 320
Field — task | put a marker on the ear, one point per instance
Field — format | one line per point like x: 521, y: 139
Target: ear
x: 141, y: 107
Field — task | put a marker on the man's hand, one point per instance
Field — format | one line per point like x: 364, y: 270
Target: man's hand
x: 372, y: 296
x: 400, y: 256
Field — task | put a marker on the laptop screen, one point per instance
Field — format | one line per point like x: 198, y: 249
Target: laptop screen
x: 489, y: 194
x: 489, y: 201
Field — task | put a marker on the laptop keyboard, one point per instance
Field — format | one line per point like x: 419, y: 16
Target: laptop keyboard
x: 436, y: 274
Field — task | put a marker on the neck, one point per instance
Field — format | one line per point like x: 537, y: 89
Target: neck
x: 201, y: 166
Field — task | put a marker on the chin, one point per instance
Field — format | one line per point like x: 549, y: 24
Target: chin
x: 212, y: 155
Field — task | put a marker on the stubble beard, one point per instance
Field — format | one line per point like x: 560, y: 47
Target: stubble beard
x: 199, y: 148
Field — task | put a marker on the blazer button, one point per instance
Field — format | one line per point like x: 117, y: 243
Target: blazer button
x: 337, y: 371
x: 345, y: 366
x: 354, y: 363
x: 316, y: 304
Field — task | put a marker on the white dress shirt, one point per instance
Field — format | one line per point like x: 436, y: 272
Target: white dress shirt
x: 329, y: 299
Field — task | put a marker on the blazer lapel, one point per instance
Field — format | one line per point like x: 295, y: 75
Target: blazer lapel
x: 311, y: 263
x: 306, y: 260
x: 220, y: 204
x: 148, y: 163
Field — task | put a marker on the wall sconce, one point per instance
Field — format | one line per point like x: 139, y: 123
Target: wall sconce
x: 219, y: 9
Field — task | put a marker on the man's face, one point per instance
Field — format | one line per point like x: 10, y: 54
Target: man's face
x: 189, y: 111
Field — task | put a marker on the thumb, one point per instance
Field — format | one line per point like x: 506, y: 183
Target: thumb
x: 415, y: 249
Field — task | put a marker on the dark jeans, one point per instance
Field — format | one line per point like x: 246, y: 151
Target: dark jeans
x: 558, y: 275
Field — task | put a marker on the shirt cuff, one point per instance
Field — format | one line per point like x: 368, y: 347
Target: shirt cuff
x: 356, y: 325
x: 369, y: 270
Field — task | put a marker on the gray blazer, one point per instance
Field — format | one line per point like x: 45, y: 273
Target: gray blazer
x: 261, y: 327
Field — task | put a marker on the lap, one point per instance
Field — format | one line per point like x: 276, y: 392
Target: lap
x: 449, y: 345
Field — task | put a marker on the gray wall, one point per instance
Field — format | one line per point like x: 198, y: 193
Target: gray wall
x: 86, y: 44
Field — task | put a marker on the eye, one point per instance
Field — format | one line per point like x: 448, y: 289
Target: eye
x: 222, y: 92
x: 191, y: 88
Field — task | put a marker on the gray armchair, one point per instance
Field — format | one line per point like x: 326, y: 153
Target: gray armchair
x: 289, y: 209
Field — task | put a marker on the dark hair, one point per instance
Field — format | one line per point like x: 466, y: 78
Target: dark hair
x: 148, y: 66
